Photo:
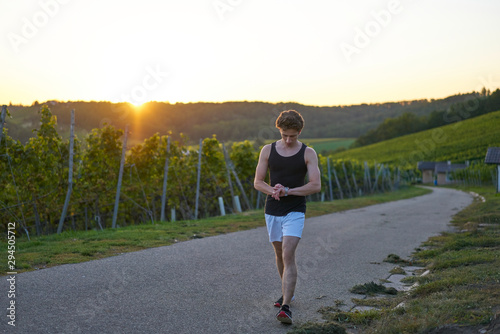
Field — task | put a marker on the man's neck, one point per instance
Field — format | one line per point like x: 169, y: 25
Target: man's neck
x: 290, y: 147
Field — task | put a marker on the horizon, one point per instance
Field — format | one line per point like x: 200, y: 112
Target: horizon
x: 240, y: 101
x: 212, y: 51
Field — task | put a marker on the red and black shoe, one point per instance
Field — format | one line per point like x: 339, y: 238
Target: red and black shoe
x: 284, y: 315
x: 280, y: 301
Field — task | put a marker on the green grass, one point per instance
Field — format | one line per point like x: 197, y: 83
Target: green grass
x: 466, y: 140
x: 462, y: 289
x: 335, y: 316
x: 319, y: 328
x: 372, y: 289
x: 397, y: 271
x: 79, y: 246
x: 326, y: 145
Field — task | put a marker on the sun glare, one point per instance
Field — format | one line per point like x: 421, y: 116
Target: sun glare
x: 137, y: 105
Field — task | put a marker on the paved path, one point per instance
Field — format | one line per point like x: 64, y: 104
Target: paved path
x: 226, y: 283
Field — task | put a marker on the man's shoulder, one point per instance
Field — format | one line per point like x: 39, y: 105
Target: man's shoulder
x: 267, y: 148
x: 310, y: 155
x: 265, y: 151
x: 310, y: 150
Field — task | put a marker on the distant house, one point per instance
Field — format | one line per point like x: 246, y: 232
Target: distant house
x: 493, y: 157
x: 427, y: 168
x: 443, y: 170
x: 439, y: 171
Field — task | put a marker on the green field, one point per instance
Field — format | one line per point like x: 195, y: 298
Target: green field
x: 457, y: 142
x: 322, y: 145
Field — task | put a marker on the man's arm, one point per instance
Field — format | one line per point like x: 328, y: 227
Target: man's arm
x: 314, y: 184
x: 261, y: 171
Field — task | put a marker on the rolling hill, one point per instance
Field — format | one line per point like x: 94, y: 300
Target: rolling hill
x: 457, y: 142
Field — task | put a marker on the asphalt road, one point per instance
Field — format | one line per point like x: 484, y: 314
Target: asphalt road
x: 226, y: 283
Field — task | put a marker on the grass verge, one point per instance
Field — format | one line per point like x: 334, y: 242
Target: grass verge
x: 461, y: 293
x: 79, y: 246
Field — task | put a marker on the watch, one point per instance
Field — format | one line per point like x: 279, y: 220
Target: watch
x: 286, y: 191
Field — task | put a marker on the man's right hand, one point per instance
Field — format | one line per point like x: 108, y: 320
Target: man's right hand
x: 278, y: 191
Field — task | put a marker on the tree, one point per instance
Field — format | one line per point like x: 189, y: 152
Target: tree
x: 42, y: 167
x: 98, y: 170
x: 244, y: 157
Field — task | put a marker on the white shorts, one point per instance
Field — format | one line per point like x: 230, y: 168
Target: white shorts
x: 290, y: 225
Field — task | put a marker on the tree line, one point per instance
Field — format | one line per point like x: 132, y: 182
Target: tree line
x: 231, y: 121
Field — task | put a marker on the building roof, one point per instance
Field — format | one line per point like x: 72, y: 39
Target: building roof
x: 426, y: 165
x: 443, y: 167
x: 493, y: 155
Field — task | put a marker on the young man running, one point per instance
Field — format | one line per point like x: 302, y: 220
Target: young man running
x: 288, y: 161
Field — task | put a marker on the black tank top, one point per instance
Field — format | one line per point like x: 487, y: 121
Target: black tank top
x: 290, y: 172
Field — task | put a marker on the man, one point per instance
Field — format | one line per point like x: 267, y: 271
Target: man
x: 288, y: 161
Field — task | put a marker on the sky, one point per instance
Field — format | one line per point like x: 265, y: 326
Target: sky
x: 314, y: 52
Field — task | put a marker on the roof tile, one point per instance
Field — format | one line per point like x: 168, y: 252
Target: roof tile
x: 493, y: 155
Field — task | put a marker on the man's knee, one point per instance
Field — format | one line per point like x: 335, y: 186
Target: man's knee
x: 278, y: 250
x: 289, y: 247
x: 288, y: 256
x: 279, y: 256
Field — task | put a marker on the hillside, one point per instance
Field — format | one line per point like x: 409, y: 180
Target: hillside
x: 408, y: 123
x: 457, y: 142
x: 229, y: 120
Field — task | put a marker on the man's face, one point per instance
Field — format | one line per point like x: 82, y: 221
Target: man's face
x: 289, y: 136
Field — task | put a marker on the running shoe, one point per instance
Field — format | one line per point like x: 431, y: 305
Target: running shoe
x: 280, y: 301
x: 284, y: 315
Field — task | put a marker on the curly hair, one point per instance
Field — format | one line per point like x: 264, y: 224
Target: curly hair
x: 290, y: 119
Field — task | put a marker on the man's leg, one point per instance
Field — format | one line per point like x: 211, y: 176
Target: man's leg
x: 289, y: 273
x: 279, y: 257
